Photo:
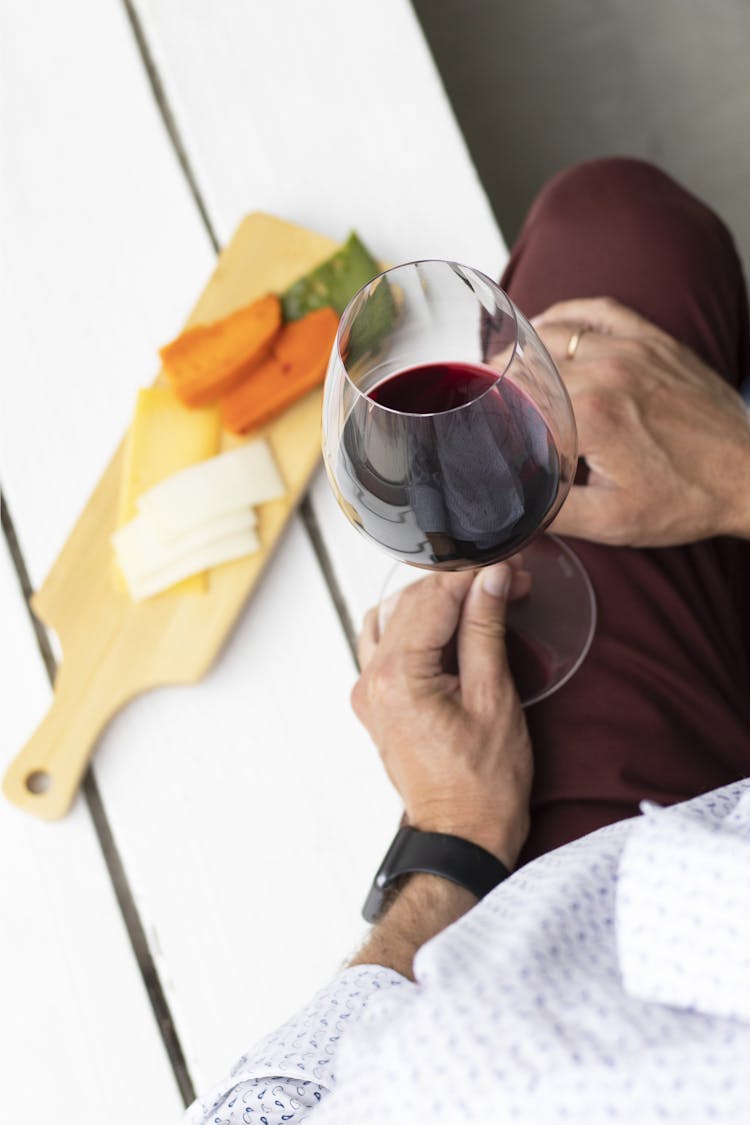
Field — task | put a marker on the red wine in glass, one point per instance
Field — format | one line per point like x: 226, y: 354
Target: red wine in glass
x: 450, y: 442
x: 471, y: 477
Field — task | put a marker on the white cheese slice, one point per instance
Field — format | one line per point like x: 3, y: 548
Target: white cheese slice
x: 221, y: 551
x: 141, y: 548
x: 240, y: 477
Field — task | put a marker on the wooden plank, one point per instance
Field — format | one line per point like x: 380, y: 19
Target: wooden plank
x: 332, y: 115
x: 249, y: 811
x: 329, y: 114
x: 77, y: 1032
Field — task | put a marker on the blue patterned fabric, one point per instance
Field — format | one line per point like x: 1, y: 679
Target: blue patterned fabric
x: 606, y: 981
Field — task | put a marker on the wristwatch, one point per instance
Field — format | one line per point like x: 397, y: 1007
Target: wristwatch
x: 435, y: 853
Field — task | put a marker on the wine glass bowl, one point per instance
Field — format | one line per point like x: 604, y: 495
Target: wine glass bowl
x: 448, y: 436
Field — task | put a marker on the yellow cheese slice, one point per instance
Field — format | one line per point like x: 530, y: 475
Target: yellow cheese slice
x: 240, y: 477
x: 164, y: 437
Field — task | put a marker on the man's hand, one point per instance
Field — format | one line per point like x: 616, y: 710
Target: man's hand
x: 456, y: 747
x: 666, y: 440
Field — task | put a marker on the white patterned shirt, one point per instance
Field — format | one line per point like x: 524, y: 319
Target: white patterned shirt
x: 606, y: 981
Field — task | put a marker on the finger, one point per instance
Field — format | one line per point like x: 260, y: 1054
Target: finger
x: 368, y: 639
x: 603, y: 314
x: 520, y: 585
x: 482, y: 659
x: 586, y: 514
x: 558, y: 335
x: 386, y: 608
x: 598, y: 418
x: 593, y: 411
x: 426, y: 615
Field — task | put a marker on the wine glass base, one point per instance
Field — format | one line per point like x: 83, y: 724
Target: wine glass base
x: 550, y: 631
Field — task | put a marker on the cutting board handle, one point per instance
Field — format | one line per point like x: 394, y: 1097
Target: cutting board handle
x: 44, y: 777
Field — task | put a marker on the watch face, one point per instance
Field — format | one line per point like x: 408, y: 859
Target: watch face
x: 373, y: 907
x: 388, y: 871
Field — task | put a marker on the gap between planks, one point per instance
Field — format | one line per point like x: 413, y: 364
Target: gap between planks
x: 115, y: 869
x: 307, y: 514
x: 160, y: 97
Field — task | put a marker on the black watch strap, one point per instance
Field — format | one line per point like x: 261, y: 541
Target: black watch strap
x: 434, y: 853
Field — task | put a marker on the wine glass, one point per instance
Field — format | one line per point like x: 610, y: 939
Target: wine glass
x: 449, y: 441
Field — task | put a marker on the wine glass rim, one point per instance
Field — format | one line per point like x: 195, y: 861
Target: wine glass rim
x: 427, y: 262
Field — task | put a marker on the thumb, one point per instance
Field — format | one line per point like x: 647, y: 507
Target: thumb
x: 482, y: 659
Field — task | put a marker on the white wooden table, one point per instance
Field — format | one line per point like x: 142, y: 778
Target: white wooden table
x: 211, y: 875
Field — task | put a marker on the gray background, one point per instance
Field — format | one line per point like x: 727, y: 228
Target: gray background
x: 537, y: 85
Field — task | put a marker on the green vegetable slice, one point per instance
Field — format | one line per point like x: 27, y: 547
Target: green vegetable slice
x: 333, y: 283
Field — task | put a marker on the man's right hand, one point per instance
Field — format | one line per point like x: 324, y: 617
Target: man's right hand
x: 455, y: 746
x: 666, y: 440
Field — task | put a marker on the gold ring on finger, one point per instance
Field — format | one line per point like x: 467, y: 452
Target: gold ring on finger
x: 574, y: 341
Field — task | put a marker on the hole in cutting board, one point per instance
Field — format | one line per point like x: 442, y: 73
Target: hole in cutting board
x: 39, y: 781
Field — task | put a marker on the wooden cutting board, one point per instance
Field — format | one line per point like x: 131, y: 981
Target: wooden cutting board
x: 113, y: 649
